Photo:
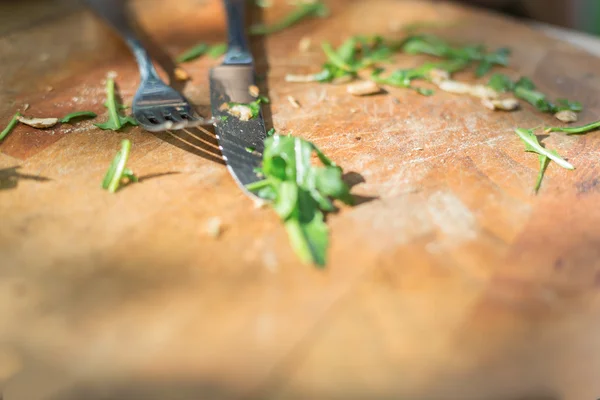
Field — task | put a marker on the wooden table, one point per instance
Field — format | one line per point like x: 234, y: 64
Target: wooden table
x: 455, y: 282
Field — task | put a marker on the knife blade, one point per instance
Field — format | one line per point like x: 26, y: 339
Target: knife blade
x: 230, y: 82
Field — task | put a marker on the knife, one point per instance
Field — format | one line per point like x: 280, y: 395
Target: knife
x: 241, y: 142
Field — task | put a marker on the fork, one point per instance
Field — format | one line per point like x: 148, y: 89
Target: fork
x: 156, y: 106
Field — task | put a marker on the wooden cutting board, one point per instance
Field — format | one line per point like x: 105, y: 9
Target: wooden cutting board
x: 450, y: 279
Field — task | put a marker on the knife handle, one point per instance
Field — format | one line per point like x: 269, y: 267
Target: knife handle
x: 238, y: 51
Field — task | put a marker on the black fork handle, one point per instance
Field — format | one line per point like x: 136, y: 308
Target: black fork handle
x: 238, y: 51
x: 114, y: 13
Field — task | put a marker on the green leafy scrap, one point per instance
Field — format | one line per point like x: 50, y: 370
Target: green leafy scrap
x: 116, y: 121
x: 575, y: 130
x: 405, y: 77
x: 118, y: 170
x: 77, y: 115
x: 353, y: 55
x: 301, y: 12
x: 435, y: 46
x: 11, y: 125
x: 525, y: 89
x: 301, y: 193
x: 201, y: 49
x: 217, y: 50
x: 501, y: 83
x: 533, y: 145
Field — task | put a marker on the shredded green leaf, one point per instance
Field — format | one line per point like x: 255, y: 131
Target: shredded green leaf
x: 77, y: 115
x: 192, y: 53
x: 11, y: 125
x: 217, y: 50
x: 544, y: 162
x: 263, y: 3
x: 501, y: 83
x: 301, y: 193
x: 214, y: 51
x: 576, y: 129
x: 302, y: 11
x: 116, y: 121
x: 117, y: 170
x: 435, y: 46
x: 525, y: 89
x: 533, y: 145
x: 405, y: 77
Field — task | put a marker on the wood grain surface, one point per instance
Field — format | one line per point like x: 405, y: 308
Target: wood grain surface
x: 450, y: 279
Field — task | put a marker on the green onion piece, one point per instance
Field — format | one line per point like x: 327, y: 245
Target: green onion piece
x: 11, y: 125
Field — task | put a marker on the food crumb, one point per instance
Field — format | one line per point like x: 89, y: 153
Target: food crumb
x: 49, y: 88
x: 40, y: 123
x: 342, y: 79
x: 418, y: 148
x: 566, y: 116
x: 25, y: 106
x: 293, y: 102
x: 241, y: 111
x: 214, y: 227
x: 363, y: 88
x: 304, y: 44
x: 481, y: 91
x: 253, y: 90
x: 181, y: 74
x: 509, y: 104
x: 260, y: 203
x: 224, y: 107
x: 111, y: 75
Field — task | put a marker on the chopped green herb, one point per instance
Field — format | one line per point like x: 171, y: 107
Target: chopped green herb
x: 116, y: 121
x: 263, y: 3
x: 424, y: 91
x: 338, y: 59
x: 271, y: 132
x: 192, y: 53
x: 525, y: 89
x: 353, y: 55
x: 564, y: 105
x: 405, y: 77
x: 301, y: 193
x: 217, y: 50
x: 117, y: 170
x: 302, y: 11
x: 224, y: 118
x: 533, y: 145
x: 214, y: 51
x: 77, y: 115
x: 501, y: 83
x: 434, y: 46
x: 250, y: 149
x: 576, y: 129
x: 11, y: 125
x: 544, y: 162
